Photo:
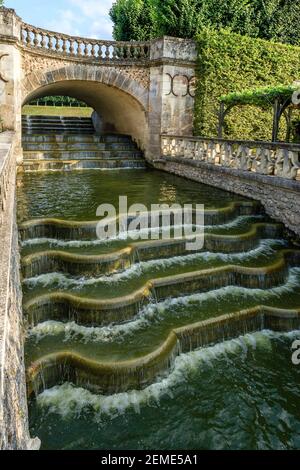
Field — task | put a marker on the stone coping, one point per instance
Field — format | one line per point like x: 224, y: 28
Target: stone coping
x: 7, y: 195
x: 275, y: 181
x: 252, y: 143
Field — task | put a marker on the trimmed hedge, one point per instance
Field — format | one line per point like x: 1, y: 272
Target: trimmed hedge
x: 230, y: 63
x: 58, y: 101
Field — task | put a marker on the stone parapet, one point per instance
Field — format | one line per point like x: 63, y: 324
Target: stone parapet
x: 279, y: 196
x: 14, y: 431
x: 265, y: 158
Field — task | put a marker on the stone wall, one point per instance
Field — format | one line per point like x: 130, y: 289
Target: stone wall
x: 279, y: 196
x: 14, y: 432
x: 172, y: 90
x: 10, y: 73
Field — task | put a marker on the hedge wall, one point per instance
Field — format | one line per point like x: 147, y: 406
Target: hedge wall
x: 228, y: 62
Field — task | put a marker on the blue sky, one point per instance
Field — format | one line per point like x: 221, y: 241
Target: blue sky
x: 87, y: 18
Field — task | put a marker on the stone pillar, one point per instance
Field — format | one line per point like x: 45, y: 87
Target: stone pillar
x: 10, y: 73
x: 172, y: 90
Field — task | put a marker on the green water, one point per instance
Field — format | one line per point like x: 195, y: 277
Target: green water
x: 76, y: 196
x: 136, y: 277
x: 151, y: 328
x: 240, y: 394
x: 243, y: 394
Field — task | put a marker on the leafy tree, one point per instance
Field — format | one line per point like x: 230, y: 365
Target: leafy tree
x: 133, y: 19
x: 286, y: 24
x: 179, y: 18
x: 267, y: 19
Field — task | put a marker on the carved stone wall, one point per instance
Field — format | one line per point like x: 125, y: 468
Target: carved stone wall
x: 14, y: 428
x: 40, y: 64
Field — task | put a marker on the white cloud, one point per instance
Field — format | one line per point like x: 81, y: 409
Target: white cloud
x: 67, y: 22
x: 101, y: 29
x: 86, y: 18
x: 93, y: 8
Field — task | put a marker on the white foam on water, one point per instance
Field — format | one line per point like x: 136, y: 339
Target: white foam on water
x: 70, y: 401
x: 132, y: 234
x: 59, y: 280
x: 156, y: 312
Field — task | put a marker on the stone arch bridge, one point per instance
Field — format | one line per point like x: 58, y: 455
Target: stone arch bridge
x: 144, y: 89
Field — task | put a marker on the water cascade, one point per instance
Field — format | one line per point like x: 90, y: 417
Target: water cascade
x: 115, y: 316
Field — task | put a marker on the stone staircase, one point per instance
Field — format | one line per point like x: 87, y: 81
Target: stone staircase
x: 56, y: 125
x: 59, y: 143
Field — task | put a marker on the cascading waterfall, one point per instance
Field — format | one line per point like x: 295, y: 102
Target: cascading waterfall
x: 112, y: 324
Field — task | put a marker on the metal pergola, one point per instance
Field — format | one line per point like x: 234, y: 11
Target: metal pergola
x: 281, y: 107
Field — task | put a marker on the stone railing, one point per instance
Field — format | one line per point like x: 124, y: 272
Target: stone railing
x: 76, y: 47
x: 273, y: 159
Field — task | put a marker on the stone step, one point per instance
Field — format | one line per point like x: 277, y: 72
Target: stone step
x: 54, y: 118
x: 77, y: 138
x: 81, y: 155
x: 60, y: 165
x: 56, y: 125
x: 79, y: 122
x: 56, y: 130
x: 84, y: 146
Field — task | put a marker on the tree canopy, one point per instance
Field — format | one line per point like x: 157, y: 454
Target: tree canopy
x: 276, y: 20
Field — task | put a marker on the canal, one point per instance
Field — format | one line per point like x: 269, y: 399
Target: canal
x: 237, y: 388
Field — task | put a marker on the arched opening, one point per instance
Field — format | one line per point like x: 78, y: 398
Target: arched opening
x: 115, y: 110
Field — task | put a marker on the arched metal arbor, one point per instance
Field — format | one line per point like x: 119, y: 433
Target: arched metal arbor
x: 282, y: 106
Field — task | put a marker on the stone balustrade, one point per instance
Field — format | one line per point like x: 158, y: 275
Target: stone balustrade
x: 272, y: 159
x: 90, y: 49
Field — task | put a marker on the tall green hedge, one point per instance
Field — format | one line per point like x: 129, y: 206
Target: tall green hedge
x: 228, y: 62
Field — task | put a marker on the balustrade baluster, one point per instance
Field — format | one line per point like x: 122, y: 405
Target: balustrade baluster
x: 100, y: 51
x: 128, y: 52
x: 72, y: 47
x: 64, y: 45
x: 142, y: 51
x: 81, y: 47
x: 114, y: 52
x: 50, y: 43
x: 28, y: 37
x: 93, y: 50
x: 43, y: 41
x: 35, y: 39
x: 136, y: 52
x: 23, y: 36
x: 57, y: 44
x: 86, y: 49
x: 121, y: 52
x: 107, y: 52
